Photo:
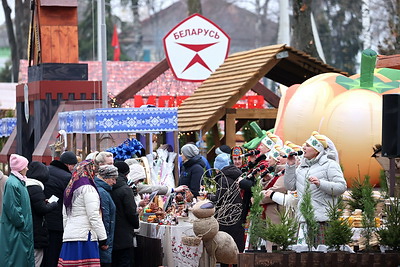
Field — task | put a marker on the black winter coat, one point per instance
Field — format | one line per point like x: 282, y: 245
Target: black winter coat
x: 126, y: 219
x: 58, y: 181
x: 229, y: 204
x: 246, y: 185
x: 191, y: 173
x: 37, y: 175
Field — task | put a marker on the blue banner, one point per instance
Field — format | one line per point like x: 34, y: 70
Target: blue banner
x: 116, y: 120
x: 7, y: 126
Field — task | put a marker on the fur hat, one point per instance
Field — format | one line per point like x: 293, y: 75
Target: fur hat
x: 18, y: 163
x: 108, y: 171
x: 136, y: 173
x: 189, y: 151
x: 122, y: 167
x: 317, y: 141
x: 221, y: 161
x: 68, y: 157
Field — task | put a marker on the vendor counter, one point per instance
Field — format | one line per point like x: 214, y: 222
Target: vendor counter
x: 174, y: 252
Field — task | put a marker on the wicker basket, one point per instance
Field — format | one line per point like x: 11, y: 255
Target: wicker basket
x: 192, y: 241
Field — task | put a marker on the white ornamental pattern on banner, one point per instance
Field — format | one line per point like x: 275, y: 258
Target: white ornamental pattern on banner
x: 119, y: 120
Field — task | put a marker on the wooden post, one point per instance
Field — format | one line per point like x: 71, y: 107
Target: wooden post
x: 98, y: 142
x: 148, y: 144
x: 176, y: 149
x: 88, y: 144
x: 74, y: 143
x: 84, y: 145
x: 230, y: 129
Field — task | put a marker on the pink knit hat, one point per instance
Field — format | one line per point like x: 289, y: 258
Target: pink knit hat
x: 18, y: 163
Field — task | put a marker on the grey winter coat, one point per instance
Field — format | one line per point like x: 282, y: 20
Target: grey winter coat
x: 332, y: 183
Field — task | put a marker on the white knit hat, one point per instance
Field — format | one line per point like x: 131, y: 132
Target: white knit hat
x: 136, y: 173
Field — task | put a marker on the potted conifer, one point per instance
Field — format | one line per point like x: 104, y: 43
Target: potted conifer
x: 389, y: 235
x: 338, y: 232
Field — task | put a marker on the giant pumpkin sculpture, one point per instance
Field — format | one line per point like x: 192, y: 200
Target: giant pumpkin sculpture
x: 346, y: 109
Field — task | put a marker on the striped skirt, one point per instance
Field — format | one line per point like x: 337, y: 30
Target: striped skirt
x: 79, y: 253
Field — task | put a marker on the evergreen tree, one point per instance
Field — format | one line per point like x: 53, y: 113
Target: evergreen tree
x: 338, y: 231
x: 390, y: 234
x: 256, y: 222
x: 284, y: 233
x: 368, y: 218
x: 310, y: 226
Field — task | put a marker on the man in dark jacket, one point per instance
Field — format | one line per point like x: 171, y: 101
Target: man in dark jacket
x: 126, y: 219
x: 192, y: 168
x: 37, y: 175
x: 59, y: 176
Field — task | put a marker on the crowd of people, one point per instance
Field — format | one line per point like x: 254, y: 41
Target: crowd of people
x: 74, y: 213
x: 283, y: 169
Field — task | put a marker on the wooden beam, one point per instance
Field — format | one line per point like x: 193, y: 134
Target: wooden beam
x: 230, y: 129
x: 392, y: 61
x: 270, y: 113
x: 143, y: 81
x: 268, y: 95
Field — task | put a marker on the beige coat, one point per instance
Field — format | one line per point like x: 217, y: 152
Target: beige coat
x: 273, y: 208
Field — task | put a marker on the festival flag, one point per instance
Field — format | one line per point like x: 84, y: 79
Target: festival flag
x: 115, y: 44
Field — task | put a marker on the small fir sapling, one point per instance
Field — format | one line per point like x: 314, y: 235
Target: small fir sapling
x: 256, y: 222
x: 338, y: 232
x: 311, y: 226
x: 390, y: 234
x: 284, y: 233
x: 368, y: 218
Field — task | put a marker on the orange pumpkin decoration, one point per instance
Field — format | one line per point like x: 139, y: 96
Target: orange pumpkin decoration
x: 346, y: 109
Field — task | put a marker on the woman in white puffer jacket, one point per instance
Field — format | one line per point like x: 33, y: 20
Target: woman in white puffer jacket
x: 84, y: 230
x: 321, y: 169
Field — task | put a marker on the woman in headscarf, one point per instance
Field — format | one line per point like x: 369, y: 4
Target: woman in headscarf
x: 320, y: 169
x: 84, y: 230
x: 16, y: 235
x: 105, y: 179
x: 238, y: 158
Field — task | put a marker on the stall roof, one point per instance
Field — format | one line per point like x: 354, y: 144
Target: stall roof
x: 240, y: 73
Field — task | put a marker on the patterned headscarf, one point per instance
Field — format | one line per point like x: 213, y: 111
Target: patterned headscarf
x: 238, y: 151
x: 83, y: 174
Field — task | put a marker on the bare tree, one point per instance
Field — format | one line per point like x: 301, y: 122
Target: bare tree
x: 261, y: 24
x: 391, y: 43
x: 137, y: 32
x: 194, y: 6
x: 17, y: 39
x: 302, y: 37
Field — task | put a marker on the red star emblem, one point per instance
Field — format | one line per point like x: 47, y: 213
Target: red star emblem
x: 197, y: 59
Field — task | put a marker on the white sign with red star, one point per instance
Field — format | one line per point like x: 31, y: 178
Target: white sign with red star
x: 195, y: 48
